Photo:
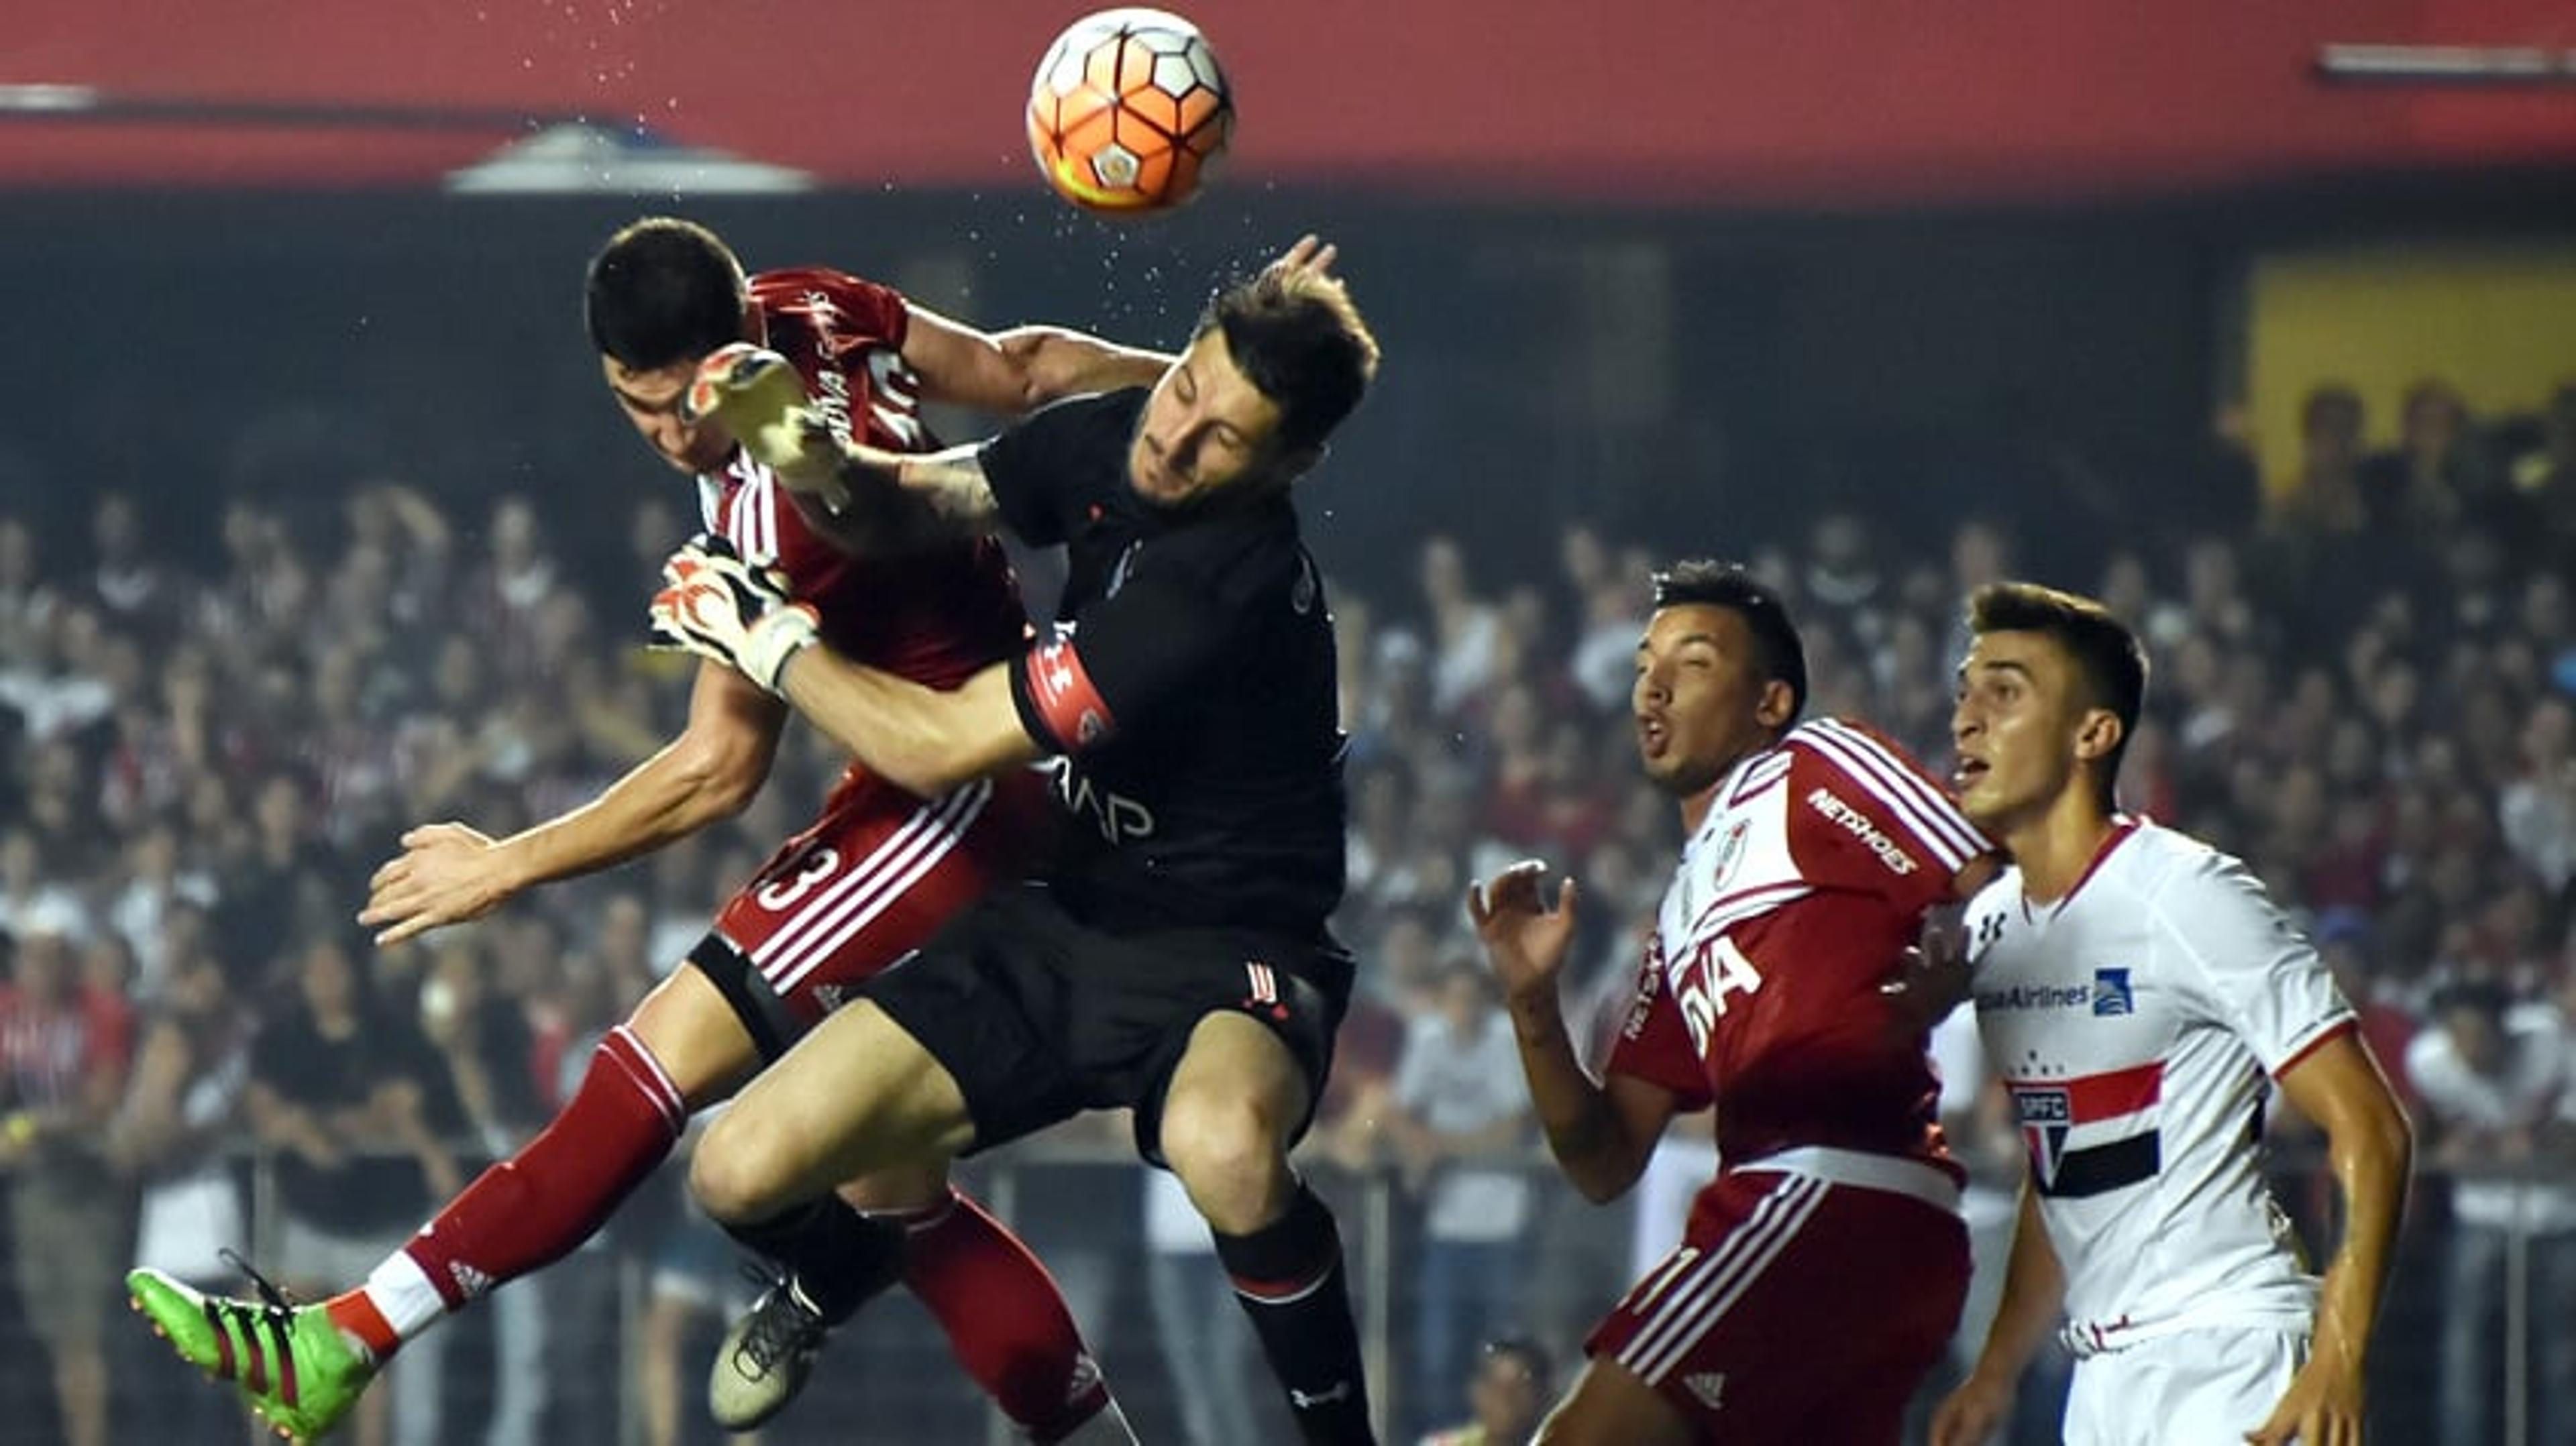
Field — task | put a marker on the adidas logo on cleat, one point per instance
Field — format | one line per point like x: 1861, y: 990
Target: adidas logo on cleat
x: 1708, y: 1387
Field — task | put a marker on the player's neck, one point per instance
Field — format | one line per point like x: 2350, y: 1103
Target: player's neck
x: 1695, y: 808
x: 2056, y: 848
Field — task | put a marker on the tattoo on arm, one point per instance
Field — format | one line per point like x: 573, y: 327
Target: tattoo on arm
x: 953, y: 484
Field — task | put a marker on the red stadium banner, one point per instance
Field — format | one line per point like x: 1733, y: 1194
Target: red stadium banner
x: 1751, y: 101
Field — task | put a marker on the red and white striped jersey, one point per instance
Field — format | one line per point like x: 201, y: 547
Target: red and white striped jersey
x: 1794, y: 902
x: 2134, y: 1021
x: 935, y: 616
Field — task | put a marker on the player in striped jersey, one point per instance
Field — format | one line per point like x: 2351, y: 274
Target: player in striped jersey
x: 2139, y: 992
x: 872, y: 877
x: 1821, y: 1272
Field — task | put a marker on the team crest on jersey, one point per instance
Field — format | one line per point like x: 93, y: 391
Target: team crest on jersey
x: 2046, y: 1115
x: 1730, y: 852
x: 2091, y: 1134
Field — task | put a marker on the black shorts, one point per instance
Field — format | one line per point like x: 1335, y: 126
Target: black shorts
x: 1040, y: 1017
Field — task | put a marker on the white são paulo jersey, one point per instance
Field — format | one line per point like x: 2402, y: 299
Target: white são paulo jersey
x: 2137, y: 1023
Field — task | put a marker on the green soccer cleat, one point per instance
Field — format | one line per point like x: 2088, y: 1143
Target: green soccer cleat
x: 290, y: 1362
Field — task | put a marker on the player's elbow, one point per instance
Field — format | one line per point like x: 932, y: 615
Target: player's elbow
x: 2383, y: 1134
x: 721, y: 777
x: 1600, y: 1170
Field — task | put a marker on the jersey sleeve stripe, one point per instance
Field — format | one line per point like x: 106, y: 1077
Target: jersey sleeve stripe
x: 1905, y: 813
x: 1934, y: 821
x: 1901, y: 778
x: 2335, y: 1028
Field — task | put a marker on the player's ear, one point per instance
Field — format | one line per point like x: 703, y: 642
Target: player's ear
x: 2098, y: 735
x: 1777, y: 705
x: 755, y: 326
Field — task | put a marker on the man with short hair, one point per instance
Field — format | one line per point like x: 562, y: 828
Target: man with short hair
x: 1176, y: 960
x: 1821, y: 1272
x: 2139, y: 992
x: 871, y: 877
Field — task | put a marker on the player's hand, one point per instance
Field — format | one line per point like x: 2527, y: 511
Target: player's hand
x: 1934, y: 979
x: 756, y: 395
x: 2323, y: 1407
x: 1525, y: 938
x: 1969, y: 1415
x: 718, y: 606
x: 446, y: 874
x: 1310, y: 256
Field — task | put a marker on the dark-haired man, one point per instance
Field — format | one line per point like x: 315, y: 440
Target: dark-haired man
x: 1822, y: 1270
x: 1176, y: 960
x: 875, y: 873
x: 2139, y: 991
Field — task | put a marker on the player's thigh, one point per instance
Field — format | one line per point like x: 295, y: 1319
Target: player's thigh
x: 857, y: 1094
x: 1610, y: 1406
x: 870, y: 881
x: 1235, y: 1062
x: 1794, y: 1311
x: 2197, y: 1385
x: 692, y: 1032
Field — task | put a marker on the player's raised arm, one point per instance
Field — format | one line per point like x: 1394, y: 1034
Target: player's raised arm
x: 1025, y: 367
x: 924, y: 740
x: 448, y: 873
x: 1601, y: 1134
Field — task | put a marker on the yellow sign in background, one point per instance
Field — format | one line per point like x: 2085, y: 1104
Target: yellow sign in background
x: 2497, y: 323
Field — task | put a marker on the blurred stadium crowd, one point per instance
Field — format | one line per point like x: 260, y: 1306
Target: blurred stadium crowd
x: 2366, y: 686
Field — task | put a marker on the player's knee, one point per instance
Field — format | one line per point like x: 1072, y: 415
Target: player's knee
x: 1231, y: 1157
x: 729, y: 1176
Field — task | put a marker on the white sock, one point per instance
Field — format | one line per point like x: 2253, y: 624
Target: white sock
x: 402, y: 1293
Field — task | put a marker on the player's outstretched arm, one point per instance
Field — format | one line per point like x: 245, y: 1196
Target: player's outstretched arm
x: 448, y: 873
x: 1601, y: 1134
x: 923, y: 739
x: 1018, y: 370
x: 2370, y: 1150
x: 2034, y: 1291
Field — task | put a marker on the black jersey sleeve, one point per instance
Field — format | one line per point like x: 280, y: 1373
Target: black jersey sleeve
x: 1131, y: 656
x: 1049, y: 470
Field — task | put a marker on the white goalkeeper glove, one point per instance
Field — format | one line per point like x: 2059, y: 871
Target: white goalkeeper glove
x: 756, y: 395
x: 718, y: 606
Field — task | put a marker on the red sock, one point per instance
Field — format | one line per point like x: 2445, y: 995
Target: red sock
x: 1006, y: 1322
x: 539, y: 1205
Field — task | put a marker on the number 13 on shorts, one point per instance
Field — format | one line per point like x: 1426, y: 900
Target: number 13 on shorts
x: 782, y: 894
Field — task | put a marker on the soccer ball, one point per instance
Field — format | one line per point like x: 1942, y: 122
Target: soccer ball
x: 1129, y: 111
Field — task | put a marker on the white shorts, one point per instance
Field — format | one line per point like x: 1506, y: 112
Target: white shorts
x: 2197, y: 1385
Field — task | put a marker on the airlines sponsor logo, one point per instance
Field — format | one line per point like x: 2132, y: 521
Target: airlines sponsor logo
x: 2111, y: 993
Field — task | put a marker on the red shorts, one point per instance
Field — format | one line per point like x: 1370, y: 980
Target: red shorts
x: 1797, y: 1309
x: 869, y: 882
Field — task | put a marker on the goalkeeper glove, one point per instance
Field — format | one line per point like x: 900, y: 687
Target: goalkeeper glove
x: 756, y: 395
x: 719, y: 606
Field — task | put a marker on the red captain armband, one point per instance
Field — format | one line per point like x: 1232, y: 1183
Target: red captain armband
x: 1065, y: 699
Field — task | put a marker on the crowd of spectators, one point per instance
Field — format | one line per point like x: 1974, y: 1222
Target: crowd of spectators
x: 206, y: 744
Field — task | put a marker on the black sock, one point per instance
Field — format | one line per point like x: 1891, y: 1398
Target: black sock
x: 838, y: 1257
x: 1288, y: 1276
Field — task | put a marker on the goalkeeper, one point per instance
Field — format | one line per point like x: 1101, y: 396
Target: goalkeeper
x: 1177, y: 959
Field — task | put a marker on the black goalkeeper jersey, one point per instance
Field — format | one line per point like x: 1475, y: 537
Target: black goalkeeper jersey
x: 1189, y: 685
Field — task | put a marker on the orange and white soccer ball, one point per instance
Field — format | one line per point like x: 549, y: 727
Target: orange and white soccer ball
x: 1129, y: 111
